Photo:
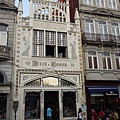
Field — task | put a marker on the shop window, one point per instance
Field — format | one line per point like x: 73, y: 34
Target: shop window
x: 3, y: 34
x: 1, y: 79
x: 32, y: 105
x: 92, y: 59
x: 50, y: 81
x: 69, y: 104
x: 3, y: 102
x: 106, y: 60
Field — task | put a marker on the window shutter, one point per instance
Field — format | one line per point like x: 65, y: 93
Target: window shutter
x: 3, y: 38
x: 38, y: 43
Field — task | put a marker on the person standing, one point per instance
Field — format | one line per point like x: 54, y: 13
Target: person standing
x: 49, y: 113
x: 102, y: 115
x: 80, y: 114
x: 94, y: 115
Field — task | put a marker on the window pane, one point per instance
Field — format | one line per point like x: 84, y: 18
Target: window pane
x: 3, y: 38
x: 34, y: 83
x: 32, y: 105
x: 1, y: 79
x: 50, y: 81
x: 109, y: 63
x: 109, y: 4
x: 87, y: 28
x: 66, y: 83
x: 118, y: 63
x: 104, y: 63
x: 90, y: 62
x: 38, y: 39
x: 106, y: 54
x: 95, y: 62
x: 3, y: 27
x: 69, y: 104
x: 91, y: 52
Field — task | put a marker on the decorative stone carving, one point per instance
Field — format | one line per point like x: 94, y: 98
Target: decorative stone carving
x: 26, y: 46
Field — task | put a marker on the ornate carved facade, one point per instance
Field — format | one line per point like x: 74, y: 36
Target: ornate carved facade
x: 48, y: 61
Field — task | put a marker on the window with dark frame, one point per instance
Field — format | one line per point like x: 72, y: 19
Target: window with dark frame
x: 50, y: 44
x: 69, y: 104
x: 32, y: 105
x: 62, y: 45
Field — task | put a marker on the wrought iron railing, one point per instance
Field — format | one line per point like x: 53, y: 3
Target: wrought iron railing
x: 100, y: 37
x: 4, y: 52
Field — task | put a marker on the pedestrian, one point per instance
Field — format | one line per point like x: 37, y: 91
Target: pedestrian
x: 94, y: 115
x: 49, y: 113
x: 102, y: 115
x: 80, y: 114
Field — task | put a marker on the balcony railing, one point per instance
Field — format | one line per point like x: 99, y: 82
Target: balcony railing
x: 100, y: 37
x: 4, y: 52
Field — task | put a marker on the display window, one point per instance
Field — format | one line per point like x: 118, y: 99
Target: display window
x: 32, y: 105
x: 69, y: 104
x: 3, y: 102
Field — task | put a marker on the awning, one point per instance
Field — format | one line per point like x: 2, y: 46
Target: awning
x: 103, y: 88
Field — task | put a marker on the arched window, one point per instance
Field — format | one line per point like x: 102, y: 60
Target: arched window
x: 92, y: 59
x: 1, y: 78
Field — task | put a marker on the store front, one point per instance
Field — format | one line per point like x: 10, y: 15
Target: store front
x: 61, y: 95
x: 102, y: 97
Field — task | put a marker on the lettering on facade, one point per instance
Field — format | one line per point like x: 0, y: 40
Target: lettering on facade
x: 52, y: 64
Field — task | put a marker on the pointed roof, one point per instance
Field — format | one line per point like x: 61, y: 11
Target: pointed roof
x: 6, y: 5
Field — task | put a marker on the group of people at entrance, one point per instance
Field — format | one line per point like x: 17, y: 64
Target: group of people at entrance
x: 104, y: 115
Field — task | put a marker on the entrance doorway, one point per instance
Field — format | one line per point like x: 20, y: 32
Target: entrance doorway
x: 51, y: 98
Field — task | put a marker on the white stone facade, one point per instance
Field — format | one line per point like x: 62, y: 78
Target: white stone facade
x: 39, y: 64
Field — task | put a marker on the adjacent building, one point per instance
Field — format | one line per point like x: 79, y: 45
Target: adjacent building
x: 7, y: 24
x: 100, y: 29
x: 48, y: 67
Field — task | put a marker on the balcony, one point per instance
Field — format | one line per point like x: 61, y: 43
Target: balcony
x: 4, y: 53
x: 100, y: 38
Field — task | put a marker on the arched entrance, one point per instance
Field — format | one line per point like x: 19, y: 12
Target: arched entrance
x: 51, y: 91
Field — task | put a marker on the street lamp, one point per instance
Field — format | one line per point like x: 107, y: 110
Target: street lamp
x: 15, y: 107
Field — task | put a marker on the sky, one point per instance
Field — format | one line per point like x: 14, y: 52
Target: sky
x: 25, y: 7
